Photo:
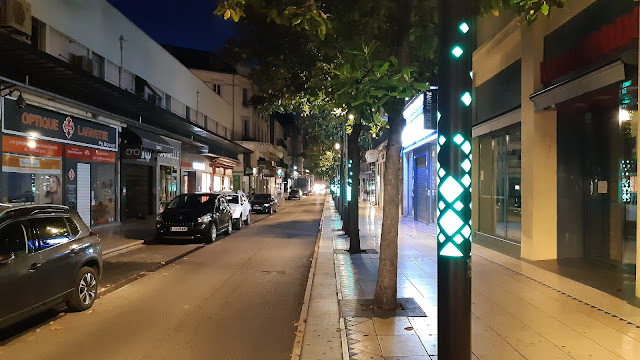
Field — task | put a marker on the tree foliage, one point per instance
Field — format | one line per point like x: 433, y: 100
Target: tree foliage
x: 361, y: 57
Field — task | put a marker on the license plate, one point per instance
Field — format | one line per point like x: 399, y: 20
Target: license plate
x: 179, y: 228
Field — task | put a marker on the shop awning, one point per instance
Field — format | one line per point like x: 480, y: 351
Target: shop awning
x: 572, y: 88
x: 44, y: 71
x: 152, y: 141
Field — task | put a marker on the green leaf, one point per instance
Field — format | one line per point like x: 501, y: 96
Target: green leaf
x: 422, y: 86
x: 383, y: 100
x: 296, y: 20
x: 378, y: 92
x: 394, y: 60
x: 346, y: 69
x: 545, y: 8
x: 384, y: 68
x: 358, y: 102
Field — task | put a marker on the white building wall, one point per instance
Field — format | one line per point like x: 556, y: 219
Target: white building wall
x: 231, y: 90
x: 97, y: 25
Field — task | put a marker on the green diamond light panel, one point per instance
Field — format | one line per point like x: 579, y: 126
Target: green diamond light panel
x: 454, y: 148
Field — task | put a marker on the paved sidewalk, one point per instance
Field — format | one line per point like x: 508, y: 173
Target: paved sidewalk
x: 520, y: 311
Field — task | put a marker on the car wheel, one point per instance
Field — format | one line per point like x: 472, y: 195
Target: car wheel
x: 247, y: 221
x: 237, y: 223
x: 270, y: 210
x: 213, y: 233
x: 229, y: 228
x: 85, y: 290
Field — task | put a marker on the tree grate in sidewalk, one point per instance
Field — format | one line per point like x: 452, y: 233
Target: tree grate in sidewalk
x: 362, y: 308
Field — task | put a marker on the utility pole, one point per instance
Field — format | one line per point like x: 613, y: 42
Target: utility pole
x: 456, y: 39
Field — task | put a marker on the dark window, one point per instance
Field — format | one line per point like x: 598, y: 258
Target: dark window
x: 167, y: 102
x: 50, y: 231
x: 13, y: 238
x: 188, y: 113
x: 245, y: 128
x: 245, y: 97
x: 75, y: 229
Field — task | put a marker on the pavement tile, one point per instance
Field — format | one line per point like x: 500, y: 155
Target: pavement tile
x: 514, y: 317
x: 402, y: 345
x: 393, y: 326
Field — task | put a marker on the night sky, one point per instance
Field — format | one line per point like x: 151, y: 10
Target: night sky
x: 184, y: 23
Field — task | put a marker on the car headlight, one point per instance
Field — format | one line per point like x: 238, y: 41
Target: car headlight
x: 204, y: 219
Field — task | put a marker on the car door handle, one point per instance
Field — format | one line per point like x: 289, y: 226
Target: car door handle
x: 34, y: 266
x: 74, y: 250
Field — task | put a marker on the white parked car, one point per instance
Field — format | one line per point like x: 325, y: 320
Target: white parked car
x: 240, y: 207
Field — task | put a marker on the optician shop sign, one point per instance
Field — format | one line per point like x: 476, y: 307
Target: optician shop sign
x: 47, y: 124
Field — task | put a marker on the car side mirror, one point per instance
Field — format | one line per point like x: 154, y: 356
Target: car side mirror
x: 6, y: 258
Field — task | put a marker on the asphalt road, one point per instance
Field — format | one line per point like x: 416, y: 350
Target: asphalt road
x: 235, y: 299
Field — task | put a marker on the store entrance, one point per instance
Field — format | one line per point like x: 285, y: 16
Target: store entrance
x: 139, y: 187
x: 597, y: 176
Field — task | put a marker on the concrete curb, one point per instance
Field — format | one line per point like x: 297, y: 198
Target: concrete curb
x: 121, y: 249
x: 302, y: 322
x: 343, y: 328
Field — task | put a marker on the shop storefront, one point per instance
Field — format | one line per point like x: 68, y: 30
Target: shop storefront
x: 197, y: 175
x: 169, y: 172
x: 419, y: 163
x: 500, y: 204
x: 139, y: 167
x: 51, y: 158
x: 597, y: 173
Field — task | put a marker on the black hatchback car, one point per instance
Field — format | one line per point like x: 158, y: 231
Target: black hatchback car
x: 48, y: 256
x: 265, y: 203
x: 195, y: 215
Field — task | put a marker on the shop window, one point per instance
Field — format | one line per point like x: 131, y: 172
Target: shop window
x: 27, y: 184
x: 168, y: 183
x: 217, y: 183
x: 499, y: 186
x: 206, y: 182
x: 103, y: 192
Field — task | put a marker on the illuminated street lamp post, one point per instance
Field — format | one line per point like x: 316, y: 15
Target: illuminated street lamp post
x: 456, y: 41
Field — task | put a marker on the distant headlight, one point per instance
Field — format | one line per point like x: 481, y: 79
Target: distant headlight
x: 204, y: 219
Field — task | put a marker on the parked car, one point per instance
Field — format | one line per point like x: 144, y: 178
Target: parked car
x: 240, y: 208
x: 265, y: 203
x: 195, y: 215
x: 295, y: 194
x: 48, y: 256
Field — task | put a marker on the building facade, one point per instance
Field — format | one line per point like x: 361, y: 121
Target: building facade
x: 99, y: 117
x: 555, y: 135
x: 419, y: 161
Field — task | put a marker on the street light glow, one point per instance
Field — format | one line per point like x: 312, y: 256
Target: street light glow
x: 337, y: 146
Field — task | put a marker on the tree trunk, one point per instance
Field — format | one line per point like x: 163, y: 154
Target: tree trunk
x: 385, y: 298
x: 353, y: 148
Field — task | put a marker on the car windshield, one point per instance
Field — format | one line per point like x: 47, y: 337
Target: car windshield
x: 261, y: 197
x: 232, y: 199
x: 190, y: 201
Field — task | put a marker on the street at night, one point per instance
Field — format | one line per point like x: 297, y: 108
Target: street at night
x: 319, y: 179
